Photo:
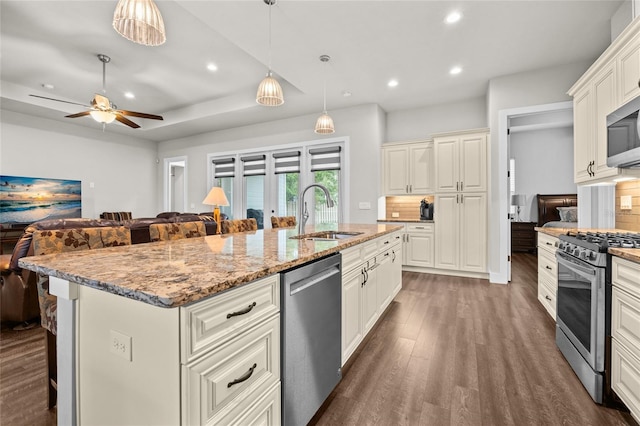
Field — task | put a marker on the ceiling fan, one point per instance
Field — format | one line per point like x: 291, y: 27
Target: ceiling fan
x: 101, y: 109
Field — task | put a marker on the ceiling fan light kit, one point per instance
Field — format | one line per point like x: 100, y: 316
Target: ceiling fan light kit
x: 324, y: 124
x: 139, y: 21
x: 269, y: 92
x: 104, y: 117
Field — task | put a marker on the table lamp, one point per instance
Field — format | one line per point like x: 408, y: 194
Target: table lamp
x: 518, y: 200
x: 216, y: 197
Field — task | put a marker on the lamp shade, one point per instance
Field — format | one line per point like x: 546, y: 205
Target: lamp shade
x: 270, y: 92
x: 103, y: 116
x: 139, y: 21
x: 216, y: 197
x: 518, y: 200
x: 324, y: 125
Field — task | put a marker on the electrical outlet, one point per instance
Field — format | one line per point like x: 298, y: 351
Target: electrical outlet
x: 395, y: 214
x: 120, y: 344
x: 625, y: 202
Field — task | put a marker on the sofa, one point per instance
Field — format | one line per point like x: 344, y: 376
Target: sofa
x: 18, y: 291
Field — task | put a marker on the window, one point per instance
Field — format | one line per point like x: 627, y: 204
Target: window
x: 253, y: 167
x: 287, y: 171
x: 325, y: 166
x: 223, y: 175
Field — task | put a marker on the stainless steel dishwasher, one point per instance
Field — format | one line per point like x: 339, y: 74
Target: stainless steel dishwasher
x: 311, y: 337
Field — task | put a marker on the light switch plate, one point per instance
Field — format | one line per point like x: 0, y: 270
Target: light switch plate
x: 395, y: 214
x: 364, y: 205
x: 625, y: 202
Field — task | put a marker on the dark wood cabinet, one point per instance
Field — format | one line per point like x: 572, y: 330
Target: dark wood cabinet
x: 523, y: 236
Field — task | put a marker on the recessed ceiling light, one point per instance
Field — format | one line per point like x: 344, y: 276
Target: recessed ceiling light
x: 455, y: 70
x: 48, y: 86
x: 129, y: 95
x: 212, y: 67
x: 453, y: 17
x: 392, y: 83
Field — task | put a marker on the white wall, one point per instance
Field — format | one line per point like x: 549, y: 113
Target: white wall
x: 423, y: 122
x: 544, y: 165
x: 363, y: 125
x: 536, y: 87
x: 122, y: 169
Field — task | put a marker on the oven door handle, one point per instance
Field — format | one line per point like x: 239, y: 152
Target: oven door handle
x: 576, y: 264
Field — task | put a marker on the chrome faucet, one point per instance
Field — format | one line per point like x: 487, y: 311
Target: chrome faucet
x: 304, y: 213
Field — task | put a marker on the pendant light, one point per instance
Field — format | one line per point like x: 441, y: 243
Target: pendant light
x: 139, y: 21
x: 269, y: 91
x: 324, y: 125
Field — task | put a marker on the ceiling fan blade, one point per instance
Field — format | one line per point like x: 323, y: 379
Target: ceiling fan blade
x: 60, y: 100
x: 80, y: 114
x: 140, y: 114
x: 126, y: 121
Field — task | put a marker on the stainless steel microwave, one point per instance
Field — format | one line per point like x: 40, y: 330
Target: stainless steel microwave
x: 623, y: 138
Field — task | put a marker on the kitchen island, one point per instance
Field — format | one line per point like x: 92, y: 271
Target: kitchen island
x: 142, y: 332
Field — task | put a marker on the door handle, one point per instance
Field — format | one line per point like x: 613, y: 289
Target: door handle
x: 457, y: 184
x: 461, y: 186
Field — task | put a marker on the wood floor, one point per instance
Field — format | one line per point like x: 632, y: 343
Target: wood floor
x: 448, y: 350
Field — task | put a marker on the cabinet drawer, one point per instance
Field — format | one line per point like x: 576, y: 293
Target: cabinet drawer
x: 420, y: 227
x: 389, y: 240
x: 625, y: 319
x: 547, y: 242
x: 547, y: 295
x: 626, y: 275
x: 266, y: 411
x: 351, y: 258
x: 548, y: 266
x: 231, y: 376
x: 625, y: 377
x: 210, y: 323
x: 369, y: 249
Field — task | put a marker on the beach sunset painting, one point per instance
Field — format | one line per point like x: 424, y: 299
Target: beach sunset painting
x: 27, y: 199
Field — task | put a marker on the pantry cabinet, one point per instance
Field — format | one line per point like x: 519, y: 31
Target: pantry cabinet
x: 407, y: 168
x: 461, y: 232
x: 609, y: 83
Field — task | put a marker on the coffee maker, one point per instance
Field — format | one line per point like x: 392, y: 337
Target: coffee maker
x: 426, y: 210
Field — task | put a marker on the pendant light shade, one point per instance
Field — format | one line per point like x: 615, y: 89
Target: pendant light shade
x: 139, y: 21
x: 269, y: 91
x: 324, y: 124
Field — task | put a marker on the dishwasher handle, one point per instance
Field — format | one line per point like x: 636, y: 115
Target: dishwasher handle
x: 301, y: 285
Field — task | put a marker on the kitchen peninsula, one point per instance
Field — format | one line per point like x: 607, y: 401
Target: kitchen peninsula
x: 161, y: 333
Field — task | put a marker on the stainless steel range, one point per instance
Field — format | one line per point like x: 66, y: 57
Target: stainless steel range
x: 584, y: 306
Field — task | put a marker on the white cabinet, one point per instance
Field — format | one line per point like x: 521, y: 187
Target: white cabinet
x: 461, y: 161
x: 407, y: 168
x: 625, y: 333
x: 370, y: 281
x: 419, y: 245
x: 608, y: 84
x: 547, y: 272
x: 461, y: 232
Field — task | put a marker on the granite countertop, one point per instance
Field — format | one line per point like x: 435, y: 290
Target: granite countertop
x: 626, y: 253
x: 395, y: 219
x: 175, y: 273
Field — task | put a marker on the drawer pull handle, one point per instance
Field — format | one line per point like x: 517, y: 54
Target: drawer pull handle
x: 386, y: 242
x: 549, y: 244
x: 386, y: 254
x: 548, y: 267
x: 243, y: 378
x: 548, y: 298
x: 242, y: 312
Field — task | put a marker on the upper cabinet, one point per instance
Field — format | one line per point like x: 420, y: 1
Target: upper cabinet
x: 407, y: 168
x: 610, y: 82
x: 461, y: 161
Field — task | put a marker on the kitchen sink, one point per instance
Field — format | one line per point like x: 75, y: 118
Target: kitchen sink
x: 326, y: 236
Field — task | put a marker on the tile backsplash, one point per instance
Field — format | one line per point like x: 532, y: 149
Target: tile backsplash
x: 407, y: 206
x: 628, y: 219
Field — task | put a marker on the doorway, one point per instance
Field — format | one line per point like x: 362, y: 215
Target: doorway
x: 175, y: 184
x: 523, y: 121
